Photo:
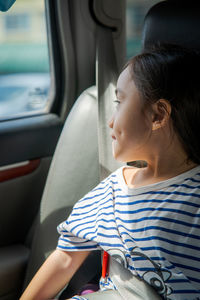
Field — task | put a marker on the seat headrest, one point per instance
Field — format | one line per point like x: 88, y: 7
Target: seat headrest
x: 174, y: 22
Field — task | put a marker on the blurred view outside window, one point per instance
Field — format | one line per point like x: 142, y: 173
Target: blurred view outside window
x: 135, y: 13
x: 24, y: 60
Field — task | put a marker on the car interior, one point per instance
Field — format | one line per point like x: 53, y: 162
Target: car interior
x: 49, y: 161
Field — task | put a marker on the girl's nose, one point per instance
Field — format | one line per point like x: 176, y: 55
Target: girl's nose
x: 110, y: 122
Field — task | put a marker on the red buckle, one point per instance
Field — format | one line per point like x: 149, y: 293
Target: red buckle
x: 105, y: 264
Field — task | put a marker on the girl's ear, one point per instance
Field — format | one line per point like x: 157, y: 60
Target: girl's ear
x: 161, y: 113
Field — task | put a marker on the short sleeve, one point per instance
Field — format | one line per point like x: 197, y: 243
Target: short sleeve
x: 68, y: 241
x: 79, y: 231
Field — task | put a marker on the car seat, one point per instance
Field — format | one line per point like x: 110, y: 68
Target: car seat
x: 73, y: 172
x: 174, y: 22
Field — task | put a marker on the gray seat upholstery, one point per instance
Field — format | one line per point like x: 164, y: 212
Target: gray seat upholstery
x: 74, y: 171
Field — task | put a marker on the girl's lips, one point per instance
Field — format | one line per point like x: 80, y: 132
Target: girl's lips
x: 113, y: 137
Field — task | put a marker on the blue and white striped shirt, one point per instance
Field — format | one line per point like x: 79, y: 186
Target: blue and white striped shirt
x: 154, y: 230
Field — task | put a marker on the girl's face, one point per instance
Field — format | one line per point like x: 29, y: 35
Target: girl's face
x: 131, y: 128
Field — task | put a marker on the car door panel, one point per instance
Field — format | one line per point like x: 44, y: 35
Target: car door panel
x: 28, y: 138
x: 13, y: 262
x: 20, y: 198
x: 27, y: 146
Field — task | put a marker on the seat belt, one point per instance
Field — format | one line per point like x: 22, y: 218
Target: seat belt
x: 107, y: 71
x: 110, y: 56
x: 106, y: 77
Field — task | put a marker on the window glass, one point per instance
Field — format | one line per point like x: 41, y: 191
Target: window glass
x: 24, y: 60
x: 135, y: 13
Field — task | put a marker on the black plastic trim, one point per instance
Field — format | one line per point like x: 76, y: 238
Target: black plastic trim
x: 29, y: 138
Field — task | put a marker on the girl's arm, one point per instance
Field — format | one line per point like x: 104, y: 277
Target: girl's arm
x: 54, y: 274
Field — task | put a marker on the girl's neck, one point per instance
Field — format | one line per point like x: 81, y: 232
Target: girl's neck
x: 141, y: 177
x: 162, y: 164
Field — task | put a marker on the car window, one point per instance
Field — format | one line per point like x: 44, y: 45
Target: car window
x: 24, y: 60
x: 135, y: 13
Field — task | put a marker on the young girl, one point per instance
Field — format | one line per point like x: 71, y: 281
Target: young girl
x: 147, y: 219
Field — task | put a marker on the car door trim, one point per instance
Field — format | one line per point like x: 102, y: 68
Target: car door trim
x: 19, y: 169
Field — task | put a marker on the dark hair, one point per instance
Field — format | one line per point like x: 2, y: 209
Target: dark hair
x: 173, y: 73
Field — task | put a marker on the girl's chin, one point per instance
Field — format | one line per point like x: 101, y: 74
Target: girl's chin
x: 119, y: 154
x: 119, y: 157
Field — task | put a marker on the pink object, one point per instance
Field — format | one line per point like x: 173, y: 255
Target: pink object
x: 89, y: 288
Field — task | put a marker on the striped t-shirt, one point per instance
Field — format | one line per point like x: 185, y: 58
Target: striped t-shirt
x: 154, y: 230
